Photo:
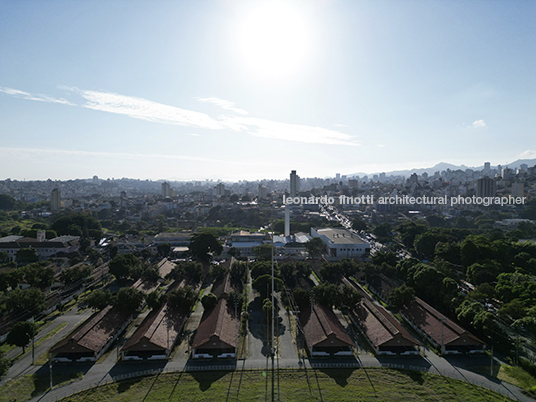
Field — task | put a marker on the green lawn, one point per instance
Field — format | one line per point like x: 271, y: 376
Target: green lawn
x: 291, y: 385
x: 512, y: 374
x: 25, y: 387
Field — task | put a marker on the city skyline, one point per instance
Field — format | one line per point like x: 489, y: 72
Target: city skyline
x: 242, y: 90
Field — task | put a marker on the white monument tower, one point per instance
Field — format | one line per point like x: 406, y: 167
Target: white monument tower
x: 293, y: 191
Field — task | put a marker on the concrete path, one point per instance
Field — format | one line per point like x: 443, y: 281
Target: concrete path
x: 23, y: 365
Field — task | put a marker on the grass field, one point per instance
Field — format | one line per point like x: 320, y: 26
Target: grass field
x: 291, y: 385
x: 29, y: 386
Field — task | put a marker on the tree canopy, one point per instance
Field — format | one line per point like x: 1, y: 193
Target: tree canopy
x: 124, y: 265
x: 21, y: 334
x: 315, y: 246
x: 203, y: 245
x: 78, y: 224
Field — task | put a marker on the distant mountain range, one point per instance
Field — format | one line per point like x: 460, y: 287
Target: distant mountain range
x: 444, y: 166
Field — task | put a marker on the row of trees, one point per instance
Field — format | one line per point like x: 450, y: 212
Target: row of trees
x: 38, y: 274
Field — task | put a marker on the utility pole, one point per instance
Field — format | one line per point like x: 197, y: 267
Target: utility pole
x: 442, y: 342
x: 236, y: 324
x: 491, y: 363
x: 273, y: 297
x: 517, y: 348
x: 311, y: 319
x: 50, y: 368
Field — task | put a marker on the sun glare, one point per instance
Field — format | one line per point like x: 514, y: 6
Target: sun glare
x: 274, y: 40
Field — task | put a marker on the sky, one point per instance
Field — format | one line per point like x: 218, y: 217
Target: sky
x: 246, y: 90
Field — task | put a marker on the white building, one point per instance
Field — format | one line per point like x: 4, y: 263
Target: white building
x: 341, y: 243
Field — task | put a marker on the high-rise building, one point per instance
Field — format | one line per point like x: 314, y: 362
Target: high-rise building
x: 220, y: 190
x: 166, y: 189
x: 263, y: 192
x: 55, y: 199
x: 294, y: 183
x: 486, y: 187
x: 518, y: 189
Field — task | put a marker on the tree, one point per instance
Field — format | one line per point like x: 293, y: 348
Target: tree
x: 209, y: 301
x: 7, y: 203
x: 27, y: 300
x: 301, y: 297
x: 383, y: 231
x: 99, y: 299
x: 387, y: 257
x: 4, y: 363
x: 328, y: 294
x: 238, y: 273
x: 78, y: 224
x: 263, y: 285
x: 129, y: 299
x: 122, y: 266
x: 163, y: 249
x: 259, y: 268
x: 264, y: 252
x: 359, y: 224
x: 74, y: 274
x: 349, y: 297
x: 21, y: 334
x: 234, y: 252
x: 267, y: 308
x: 218, y: 271
x: 236, y: 297
x: 151, y: 274
x: 315, y: 246
x: 203, y: 244
x: 191, y: 271
x: 38, y: 274
x: 4, y: 257
x: 181, y: 299
x: 155, y: 299
x: 401, y: 296
x: 27, y: 255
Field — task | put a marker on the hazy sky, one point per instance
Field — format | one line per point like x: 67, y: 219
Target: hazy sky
x: 253, y: 89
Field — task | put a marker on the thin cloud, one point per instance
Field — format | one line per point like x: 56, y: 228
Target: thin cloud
x: 294, y: 132
x: 144, y: 109
x: 380, y: 145
x: 30, y: 153
x: 35, y: 97
x: 224, y: 104
x: 479, y: 124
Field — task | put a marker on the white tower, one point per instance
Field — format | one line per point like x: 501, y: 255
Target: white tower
x: 293, y: 191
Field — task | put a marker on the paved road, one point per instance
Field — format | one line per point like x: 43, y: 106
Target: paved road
x: 24, y: 364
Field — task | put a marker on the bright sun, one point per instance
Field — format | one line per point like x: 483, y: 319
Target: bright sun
x: 274, y: 40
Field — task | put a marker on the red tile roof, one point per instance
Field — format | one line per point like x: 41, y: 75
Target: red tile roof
x: 95, y: 332
x: 437, y: 326
x: 165, y: 267
x: 218, y: 322
x: 324, y: 329
x: 380, y: 327
x: 158, y: 331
